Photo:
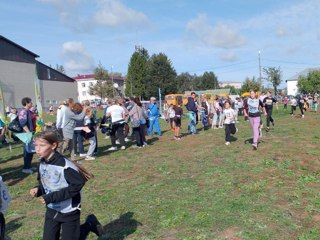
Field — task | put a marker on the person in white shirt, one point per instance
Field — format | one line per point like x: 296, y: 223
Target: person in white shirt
x: 61, y: 116
x: 229, y: 121
x: 170, y: 115
x: 117, y: 114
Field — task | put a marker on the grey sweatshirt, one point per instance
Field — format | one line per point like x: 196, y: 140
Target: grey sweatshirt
x: 70, y: 122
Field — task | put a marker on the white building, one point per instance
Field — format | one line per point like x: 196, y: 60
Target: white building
x: 292, y: 83
x: 85, y: 81
x: 236, y: 85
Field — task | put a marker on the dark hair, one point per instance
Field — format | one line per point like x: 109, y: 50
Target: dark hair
x: 193, y: 93
x: 179, y: 102
x: 137, y: 101
x: 25, y: 101
x: 50, y: 136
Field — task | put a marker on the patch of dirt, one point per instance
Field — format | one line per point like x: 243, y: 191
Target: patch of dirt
x: 230, y: 234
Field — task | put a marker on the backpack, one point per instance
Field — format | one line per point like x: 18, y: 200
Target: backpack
x: 15, y: 126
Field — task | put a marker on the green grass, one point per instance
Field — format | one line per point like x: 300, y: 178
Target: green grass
x: 196, y: 188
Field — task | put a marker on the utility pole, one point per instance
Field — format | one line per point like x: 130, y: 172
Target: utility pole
x: 112, y: 80
x: 260, y: 78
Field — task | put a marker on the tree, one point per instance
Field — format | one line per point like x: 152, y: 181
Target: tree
x: 249, y: 84
x: 137, y: 70
x: 207, y: 81
x: 273, y: 76
x: 309, y: 83
x: 103, y: 88
x: 60, y: 68
x: 160, y: 74
x: 184, y: 82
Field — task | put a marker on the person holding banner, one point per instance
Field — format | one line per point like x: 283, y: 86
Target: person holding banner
x: 27, y: 122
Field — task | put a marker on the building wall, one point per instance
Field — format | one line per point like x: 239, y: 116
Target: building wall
x: 17, y: 79
x: 55, y: 91
x: 83, y: 89
x: 237, y: 85
x: 292, y: 87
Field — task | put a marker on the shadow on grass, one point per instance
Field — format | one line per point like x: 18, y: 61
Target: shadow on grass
x: 13, y: 225
x: 12, y: 158
x: 120, y: 228
x: 13, y: 175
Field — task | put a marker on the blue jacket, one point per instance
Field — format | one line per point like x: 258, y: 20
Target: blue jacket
x: 191, y: 106
x: 153, y: 110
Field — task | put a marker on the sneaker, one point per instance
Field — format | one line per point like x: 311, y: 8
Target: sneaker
x: 220, y: 126
x: 127, y: 140
x: 117, y: 142
x: 89, y: 158
x: 75, y: 155
x: 27, y: 171
x: 267, y: 129
x: 107, y: 137
x: 112, y: 149
x: 145, y: 143
x: 83, y: 155
x: 95, y: 225
x: 227, y: 143
x: 177, y: 138
x: 237, y: 130
x: 302, y: 116
x: 34, y: 169
x: 123, y: 147
x: 255, y: 146
x: 260, y: 132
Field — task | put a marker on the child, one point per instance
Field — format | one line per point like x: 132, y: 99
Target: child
x: 89, y: 122
x: 177, y: 120
x: 60, y: 184
x: 229, y: 121
x: 293, y: 105
x: 170, y: 116
x: 4, y: 202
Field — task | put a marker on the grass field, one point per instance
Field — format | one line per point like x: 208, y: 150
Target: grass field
x: 196, y: 188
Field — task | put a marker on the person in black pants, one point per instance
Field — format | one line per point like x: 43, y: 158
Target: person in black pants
x: 268, y: 106
x: 138, y: 116
x: 301, y: 102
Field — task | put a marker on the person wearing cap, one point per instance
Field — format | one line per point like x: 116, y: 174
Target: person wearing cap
x: 153, y: 115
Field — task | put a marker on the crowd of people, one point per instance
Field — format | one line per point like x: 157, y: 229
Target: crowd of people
x: 61, y: 178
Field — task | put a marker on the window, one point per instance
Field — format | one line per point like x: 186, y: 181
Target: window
x: 55, y: 102
x: 84, y: 93
x: 48, y: 102
x: 83, y: 84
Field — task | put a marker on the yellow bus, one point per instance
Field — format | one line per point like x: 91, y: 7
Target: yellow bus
x: 173, y: 98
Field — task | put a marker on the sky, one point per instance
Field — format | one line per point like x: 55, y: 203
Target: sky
x: 227, y: 37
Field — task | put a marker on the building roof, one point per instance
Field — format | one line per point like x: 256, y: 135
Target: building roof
x: 304, y: 73
x: 88, y: 77
x: 18, y: 46
x: 49, y: 74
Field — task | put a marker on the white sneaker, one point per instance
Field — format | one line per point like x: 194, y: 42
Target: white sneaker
x: 220, y: 126
x: 123, y: 148
x: 27, y: 171
x: 145, y: 144
x: 255, y: 146
x: 117, y: 142
x: 107, y: 137
x: 227, y: 143
x: 302, y: 116
x: 127, y: 140
x: 112, y: 149
x: 89, y: 158
x: 83, y: 155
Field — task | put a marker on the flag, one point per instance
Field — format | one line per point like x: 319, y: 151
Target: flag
x: 3, y: 114
x: 38, y: 95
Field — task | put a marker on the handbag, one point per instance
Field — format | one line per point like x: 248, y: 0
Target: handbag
x: 15, y: 126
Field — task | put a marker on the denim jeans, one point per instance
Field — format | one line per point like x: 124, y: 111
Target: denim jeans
x: 192, y: 122
x: 78, y: 142
x: 27, y: 158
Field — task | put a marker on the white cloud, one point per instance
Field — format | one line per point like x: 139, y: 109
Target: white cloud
x: 76, y: 57
x: 220, y: 35
x: 228, y: 56
x: 113, y: 13
x: 76, y: 14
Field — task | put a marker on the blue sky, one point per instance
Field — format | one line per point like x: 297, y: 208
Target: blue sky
x: 223, y: 36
